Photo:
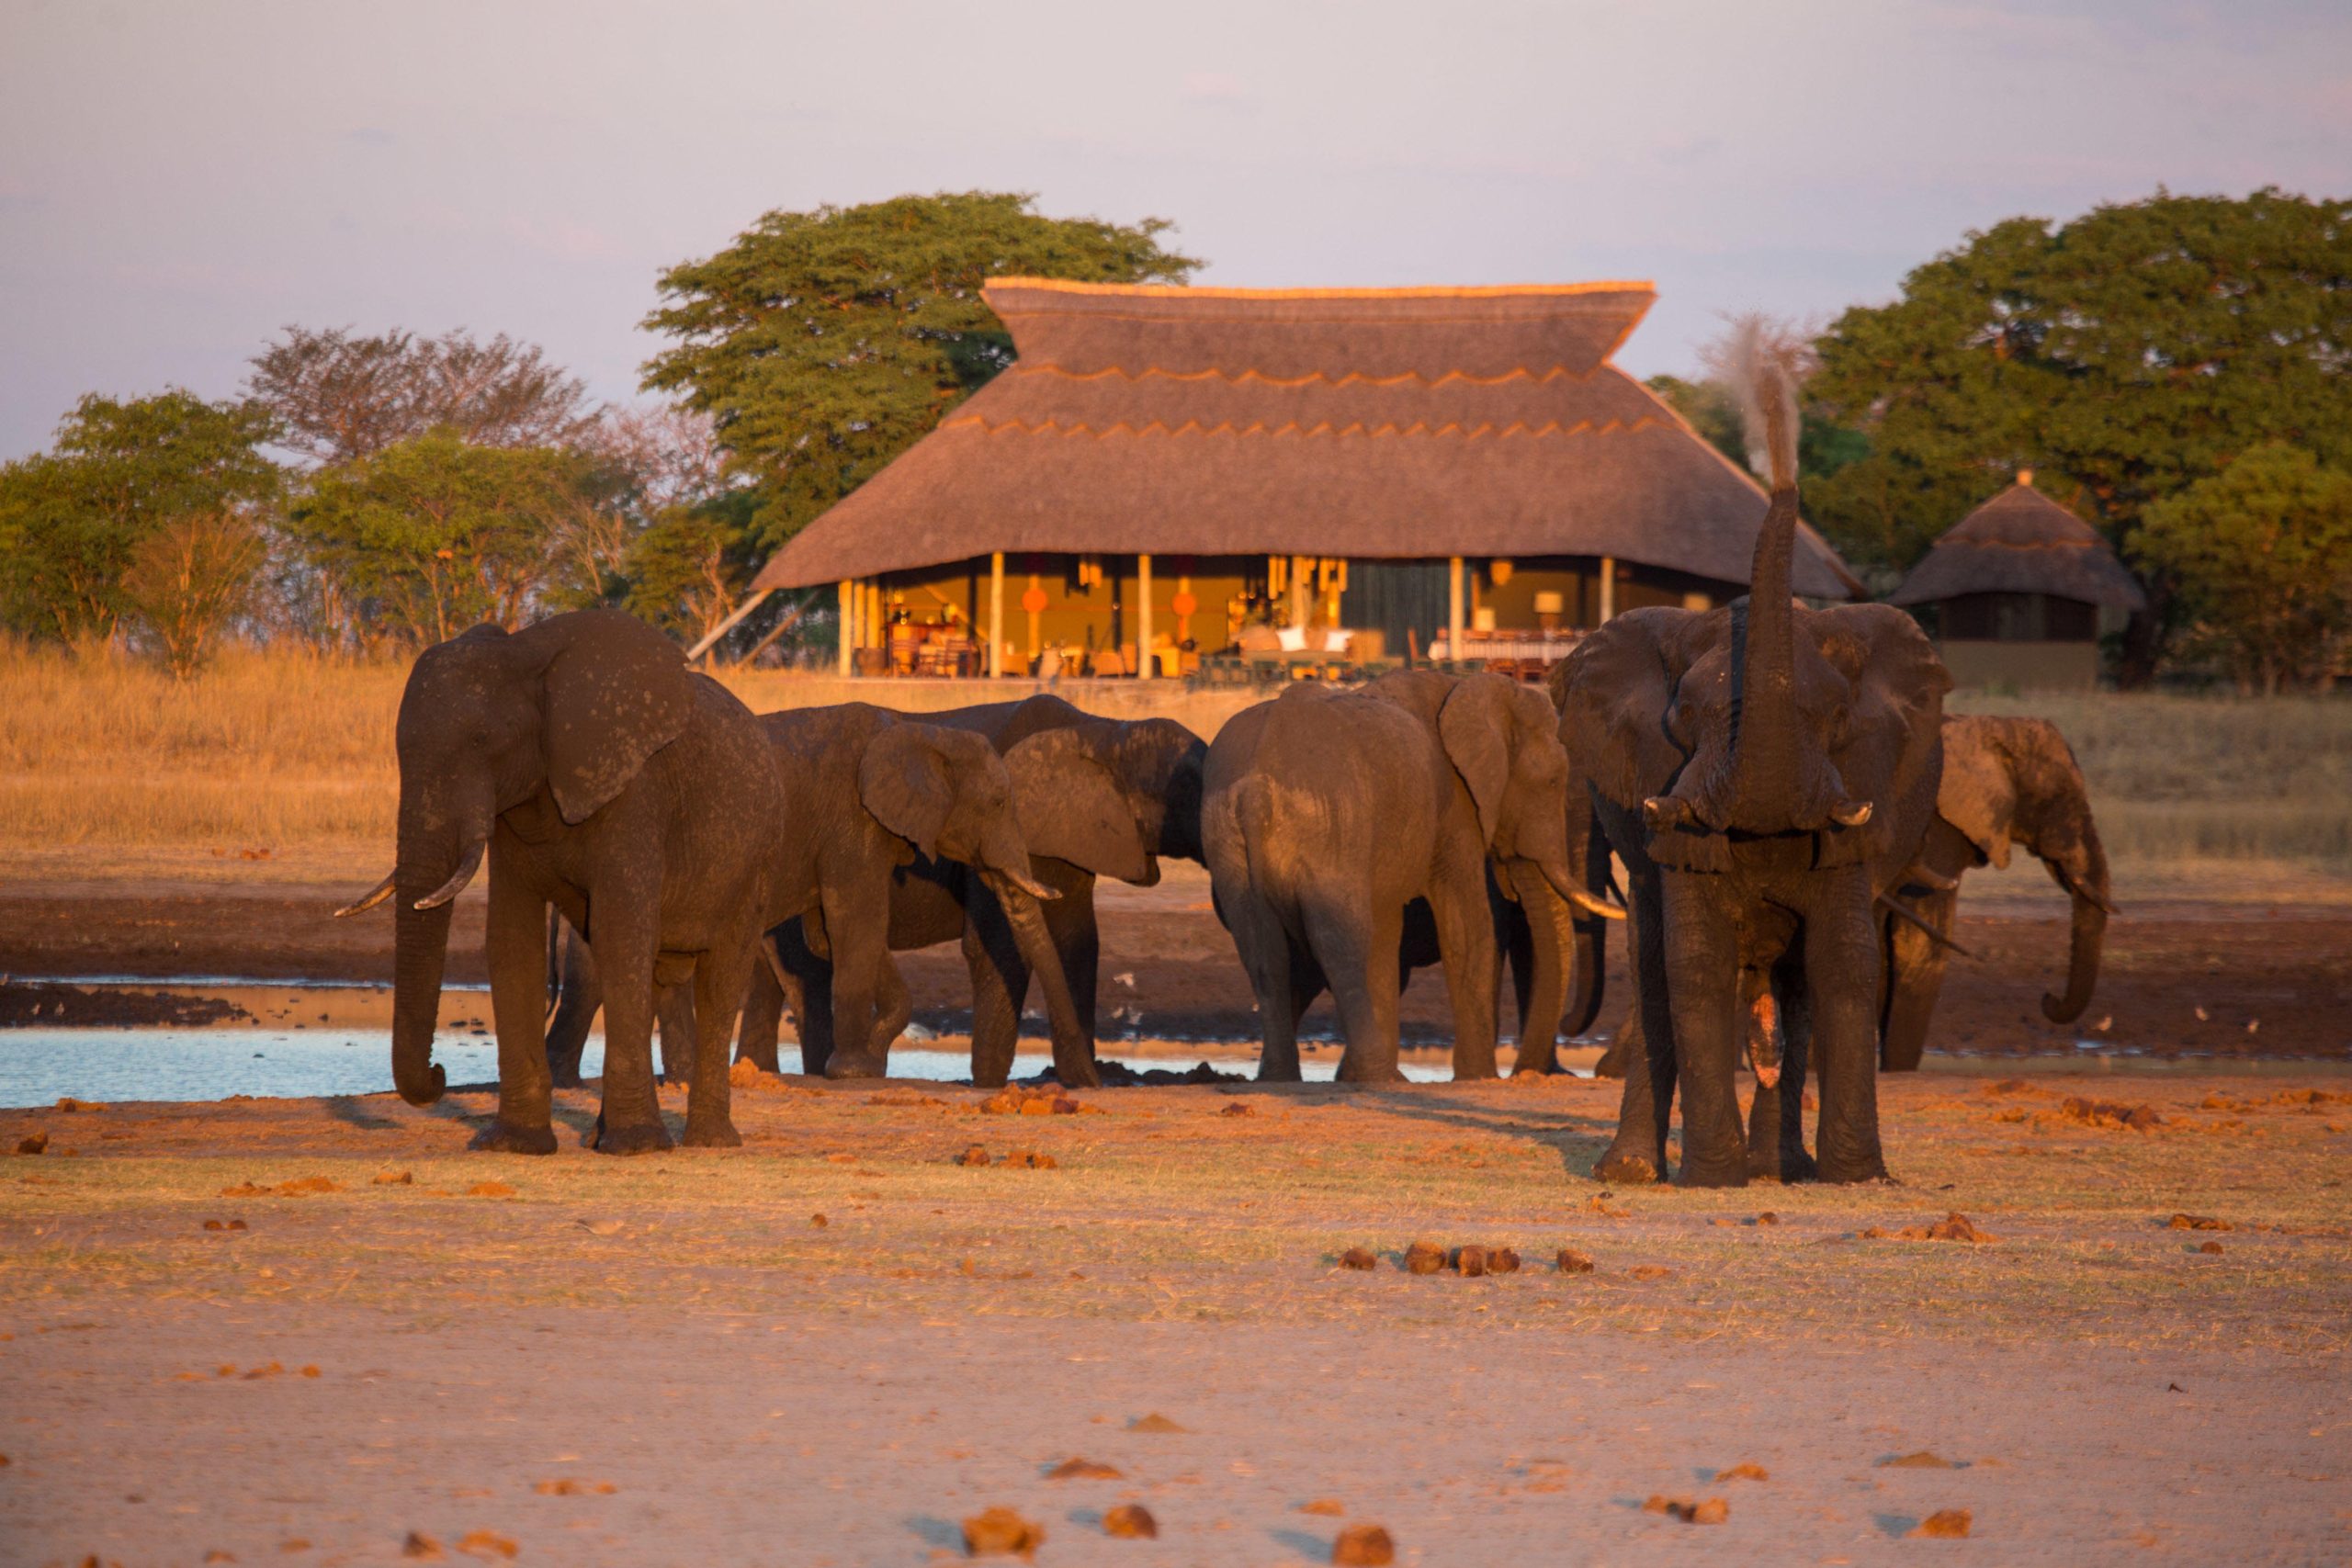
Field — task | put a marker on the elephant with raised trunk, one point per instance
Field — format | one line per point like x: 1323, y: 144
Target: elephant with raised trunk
x: 2005, y: 781
x: 602, y: 777
x: 1325, y: 815
x: 1756, y: 766
x: 879, y: 800
x: 1096, y: 797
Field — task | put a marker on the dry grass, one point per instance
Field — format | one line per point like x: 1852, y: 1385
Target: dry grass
x: 101, y: 755
x: 2187, y: 779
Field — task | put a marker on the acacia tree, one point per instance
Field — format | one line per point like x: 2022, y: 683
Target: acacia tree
x: 2262, y: 554
x: 431, y: 535
x: 2127, y: 354
x: 824, y: 344
x: 71, y: 521
x: 339, y: 396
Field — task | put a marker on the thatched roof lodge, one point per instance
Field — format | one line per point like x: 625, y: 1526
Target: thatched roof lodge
x: 2019, y: 592
x: 1415, y: 462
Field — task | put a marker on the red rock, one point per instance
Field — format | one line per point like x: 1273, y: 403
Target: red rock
x: 1082, y: 1469
x: 1945, y: 1524
x: 1363, y: 1546
x: 1000, y: 1532
x: 1571, y: 1262
x: 1424, y: 1258
x: 1359, y: 1257
x: 1131, y: 1521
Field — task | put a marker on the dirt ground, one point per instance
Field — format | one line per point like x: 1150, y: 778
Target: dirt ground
x: 835, y: 1344
x: 2271, y: 976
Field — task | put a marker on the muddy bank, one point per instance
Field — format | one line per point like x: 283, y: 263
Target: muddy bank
x: 2182, y: 979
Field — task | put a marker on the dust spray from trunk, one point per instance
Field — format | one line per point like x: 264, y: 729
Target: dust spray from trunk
x: 1762, y: 362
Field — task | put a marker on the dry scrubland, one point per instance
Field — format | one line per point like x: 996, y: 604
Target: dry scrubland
x: 103, y: 758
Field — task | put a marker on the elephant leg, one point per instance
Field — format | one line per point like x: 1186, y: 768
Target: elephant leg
x: 1841, y: 976
x: 807, y: 980
x: 1466, y: 942
x: 721, y: 975
x: 763, y: 1025
x: 1357, y: 952
x: 1000, y: 985
x: 1637, y: 1153
x: 1776, y: 1118
x: 621, y: 941
x: 1515, y: 939
x: 1703, y: 961
x: 894, y: 1008
x: 673, y: 1011
x: 1078, y: 941
x: 1267, y: 954
x: 1624, y: 1046
x: 1915, y: 977
x: 860, y: 938
x: 579, y: 996
x: 515, y: 943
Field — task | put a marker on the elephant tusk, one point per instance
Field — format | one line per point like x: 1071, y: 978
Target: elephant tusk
x: 1030, y: 884
x: 373, y: 897
x: 1592, y: 906
x: 1662, y: 811
x: 456, y: 884
x: 1903, y: 911
x: 1850, y: 813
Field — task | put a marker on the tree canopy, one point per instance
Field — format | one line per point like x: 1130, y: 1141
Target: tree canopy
x: 824, y: 344
x: 432, y: 534
x: 339, y: 397
x: 2126, y: 356
x: 2262, y: 554
x: 72, y: 520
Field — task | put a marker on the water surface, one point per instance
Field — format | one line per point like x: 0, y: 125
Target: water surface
x: 39, y: 1067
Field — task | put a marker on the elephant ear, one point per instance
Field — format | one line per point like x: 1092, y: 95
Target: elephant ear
x: 1071, y: 808
x: 906, y: 782
x: 1475, y: 727
x: 1978, y: 796
x: 615, y: 692
x: 1893, y: 748
x: 1613, y: 691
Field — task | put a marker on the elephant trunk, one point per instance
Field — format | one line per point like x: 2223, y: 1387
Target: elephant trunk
x: 1548, y: 923
x: 439, y: 849
x: 2081, y: 962
x: 1073, y: 1053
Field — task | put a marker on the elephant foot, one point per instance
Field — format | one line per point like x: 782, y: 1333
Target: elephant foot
x: 1274, y: 1072
x: 1867, y: 1167
x: 564, y: 1074
x: 1713, y: 1173
x: 636, y: 1138
x: 507, y: 1138
x: 856, y: 1064
x: 1782, y: 1165
x: 1626, y: 1167
x: 763, y: 1058
x: 716, y: 1133
x: 1613, y: 1061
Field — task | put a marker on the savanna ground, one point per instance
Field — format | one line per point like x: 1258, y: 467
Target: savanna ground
x: 582, y: 1360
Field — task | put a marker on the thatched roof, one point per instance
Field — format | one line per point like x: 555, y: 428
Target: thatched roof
x: 2022, y: 542
x: 1376, y: 422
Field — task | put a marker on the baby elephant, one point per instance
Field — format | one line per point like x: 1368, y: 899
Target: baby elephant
x: 1325, y: 814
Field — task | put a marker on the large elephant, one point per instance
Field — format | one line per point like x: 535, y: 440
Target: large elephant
x: 602, y: 777
x: 2005, y: 781
x: 1096, y: 797
x: 1764, y: 770
x: 878, y: 798
x: 1325, y: 814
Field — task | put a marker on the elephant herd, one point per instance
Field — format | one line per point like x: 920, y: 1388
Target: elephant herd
x: 1790, y: 805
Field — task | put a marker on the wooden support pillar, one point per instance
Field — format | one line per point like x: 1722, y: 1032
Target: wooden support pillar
x: 1607, y: 588
x: 1032, y: 603
x: 1453, y: 608
x: 996, y: 615
x: 849, y: 622
x: 1298, y: 568
x: 1144, y: 660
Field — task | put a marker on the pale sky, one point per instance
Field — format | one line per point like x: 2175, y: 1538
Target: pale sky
x: 179, y: 179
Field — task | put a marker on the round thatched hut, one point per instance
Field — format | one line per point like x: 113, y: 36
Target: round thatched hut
x: 2021, y: 591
